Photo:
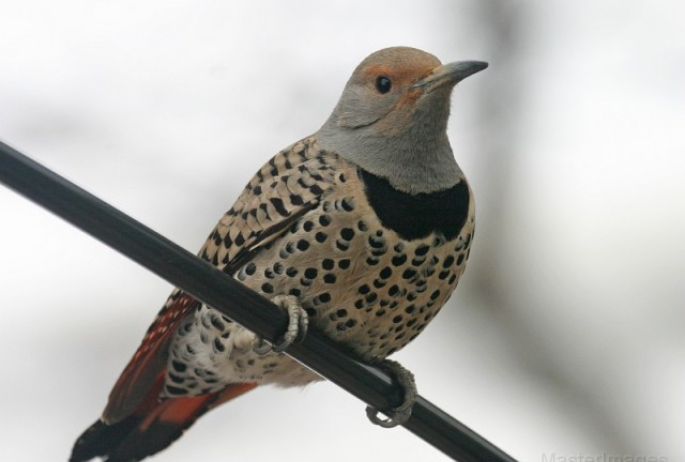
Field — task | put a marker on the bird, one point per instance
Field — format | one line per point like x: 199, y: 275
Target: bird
x: 361, y: 231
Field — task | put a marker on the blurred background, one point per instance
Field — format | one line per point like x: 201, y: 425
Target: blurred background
x: 566, y: 336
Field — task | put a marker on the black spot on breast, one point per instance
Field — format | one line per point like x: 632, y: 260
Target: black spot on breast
x: 216, y: 322
x: 347, y: 205
x: 414, y: 216
x: 175, y: 378
x: 409, y: 273
x: 399, y: 260
x: 172, y: 390
x: 218, y: 346
x: 421, y: 250
x: 347, y: 234
x: 178, y: 366
x: 329, y: 278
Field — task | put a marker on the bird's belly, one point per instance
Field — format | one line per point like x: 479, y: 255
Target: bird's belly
x: 360, y: 283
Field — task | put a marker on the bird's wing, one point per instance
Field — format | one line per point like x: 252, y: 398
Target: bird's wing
x: 149, y: 361
x: 283, y: 190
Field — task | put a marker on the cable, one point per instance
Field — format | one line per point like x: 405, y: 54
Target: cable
x: 206, y: 283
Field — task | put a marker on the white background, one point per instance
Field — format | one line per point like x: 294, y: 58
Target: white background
x: 566, y: 336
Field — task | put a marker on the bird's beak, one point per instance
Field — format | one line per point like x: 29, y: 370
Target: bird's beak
x: 449, y: 74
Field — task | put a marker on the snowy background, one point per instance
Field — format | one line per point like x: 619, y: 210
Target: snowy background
x: 567, y: 334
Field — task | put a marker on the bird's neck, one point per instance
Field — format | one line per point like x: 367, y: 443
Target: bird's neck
x: 415, y: 163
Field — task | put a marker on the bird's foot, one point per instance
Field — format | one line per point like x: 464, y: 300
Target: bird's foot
x: 297, y: 326
x: 405, y: 379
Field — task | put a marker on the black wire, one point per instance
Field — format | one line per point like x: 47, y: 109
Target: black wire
x: 203, y: 281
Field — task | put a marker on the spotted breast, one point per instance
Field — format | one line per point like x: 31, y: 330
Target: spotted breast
x: 362, y: 230
x: 370, y: 266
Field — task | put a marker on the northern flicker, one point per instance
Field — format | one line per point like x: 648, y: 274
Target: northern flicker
x: 362, y: 229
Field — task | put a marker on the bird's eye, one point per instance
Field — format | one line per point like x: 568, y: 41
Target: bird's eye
x: 383, y: 84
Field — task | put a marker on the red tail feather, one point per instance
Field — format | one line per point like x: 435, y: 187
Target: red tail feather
x: 136, y: 423
x: 143, y: 371
x: 151, y: 429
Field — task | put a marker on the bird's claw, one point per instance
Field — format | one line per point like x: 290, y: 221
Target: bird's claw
x: 297, y: 326
x: 399, y: 415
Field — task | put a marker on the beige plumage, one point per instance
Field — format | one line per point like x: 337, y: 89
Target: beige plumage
x: 366, y: 225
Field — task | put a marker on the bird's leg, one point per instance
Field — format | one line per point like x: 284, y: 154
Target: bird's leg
x: 297, y: 326
x: 405, y: 379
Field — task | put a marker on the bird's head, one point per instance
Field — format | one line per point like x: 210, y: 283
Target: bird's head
x: 394, y: 111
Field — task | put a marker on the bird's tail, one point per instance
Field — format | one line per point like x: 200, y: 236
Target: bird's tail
x: 154, y: 426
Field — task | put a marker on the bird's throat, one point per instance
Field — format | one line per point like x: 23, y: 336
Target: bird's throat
x: 409, y: 164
